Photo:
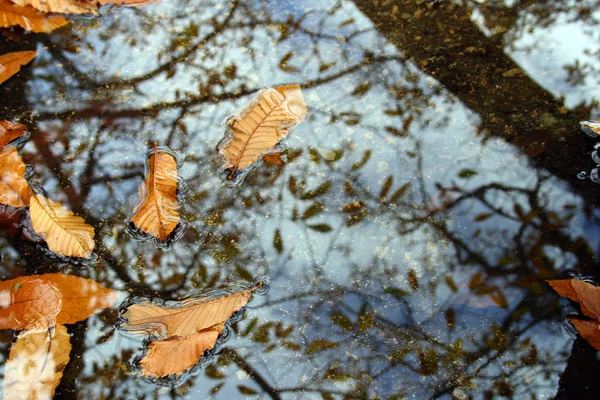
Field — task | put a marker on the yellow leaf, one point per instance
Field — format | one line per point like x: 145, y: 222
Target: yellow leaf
x: 157, y: 214
x: 64, y: 232
x: 40, y: 301
x: 11, y: 63
x: 14, y: 189
x: 176, y: 355
x: 36, y: 364
x: 28, y: 18
x: 260, y: 126
x: 187, y: 317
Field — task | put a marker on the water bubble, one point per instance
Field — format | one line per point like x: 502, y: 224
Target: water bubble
x: 582, y: 175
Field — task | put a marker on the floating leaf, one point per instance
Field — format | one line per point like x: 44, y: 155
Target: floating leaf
x: 28, y: 18
x: 259, y: 127
x: 78, y: 7
x: 36, y: 301
x: 10, y: 131
x: 157, y: 213
x: 14, y: 189
x: 589, y: 330
x: 36, y: 363
x: 11, y: 63
x: 183, y: 318
x: 64, y: 232
x: 178, y: 354
x: 584, y: 293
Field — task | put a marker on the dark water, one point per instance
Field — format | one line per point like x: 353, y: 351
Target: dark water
x: 441, y: 150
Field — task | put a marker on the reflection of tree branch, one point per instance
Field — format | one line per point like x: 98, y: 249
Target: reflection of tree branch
x: 258, y: 378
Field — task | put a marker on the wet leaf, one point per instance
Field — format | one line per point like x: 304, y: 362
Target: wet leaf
x: 324, y: 228
x: 10, y: 131
x: 260, y: 126
x: 183, y: 318
x: 11, y: 63
x: 177, y: 354
x: 157, y: 213
x: 14, y: 189
x: 36, y: 364
x: 39, y: 301
x: 64, y: 232
x: 28, y: 18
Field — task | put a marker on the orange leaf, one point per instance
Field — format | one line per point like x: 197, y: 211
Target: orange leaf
x: 64, y: 232
x: 36, y: 364
x: 274, y: 159
x: 40, y: 300
x: 78, y: 7
x: 10, y: 131
x: 14, y: 189
x: 176, y: 355
x: 184, y: 318
x: 584, y: 293
x: 11, y: 63
x: 260, y: 126
x: 28, y: 18
x: 157, y: 213
x: 589, y: 330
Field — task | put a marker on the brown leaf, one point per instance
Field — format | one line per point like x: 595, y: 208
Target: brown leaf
x: 574, y: 289
x: 589, y: 330
x: 157, y: 213
x: 274, y: 158
x: 14, y: 189
x: 64, y: 232
x: 185, y: 318
x: 260, y: 126
x: 78, y: 7
x: 11, y: 63
x: 36, y: 364
x: 37, y: 301
x: 28, y: 18
x: 177, y: 354
x: 10, y: 131
x: 592, y: 128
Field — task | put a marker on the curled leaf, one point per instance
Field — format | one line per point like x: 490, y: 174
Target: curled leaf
x: 584, y: 293
x: 157, y: 213
x: 28, y: 18
x: 589, y: 330
x: 64, y: 232
x: 36, y: 363
x: 14, y: 189
x: 10, y: 131
x: 11, y: 63
x: 260, y: 126
x: 178, y: 354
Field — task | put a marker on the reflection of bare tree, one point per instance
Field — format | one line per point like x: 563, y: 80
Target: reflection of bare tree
x: 391, y: 277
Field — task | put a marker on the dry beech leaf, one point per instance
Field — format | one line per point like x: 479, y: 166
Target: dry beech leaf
x: 28, y: 18
x: 64, y: 232
x: 36, y: 364
x: 10, y: 131
x: 184, y: 318
x: 157, y: 214
x: 260, y: 126
x: 78, y: 7
x: 589, y: 330
x: 178, y: 354
x: 14, y: 189
x: 11, y: 63
x: 584, y: 293
x: 39, y: 301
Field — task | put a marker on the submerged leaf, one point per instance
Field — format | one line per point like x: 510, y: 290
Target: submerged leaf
x: 65, y: 299
x: 64, y: 232
x: 157, y: 214
x: 185, y: 318
x: 14, y: 189
x: 36, y: 364
x: 28, y: 18
x: 260, y: 126
x: 11, y: 63
x: 176, y: 355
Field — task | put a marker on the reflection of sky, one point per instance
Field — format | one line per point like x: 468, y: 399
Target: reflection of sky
x: 445, y: 131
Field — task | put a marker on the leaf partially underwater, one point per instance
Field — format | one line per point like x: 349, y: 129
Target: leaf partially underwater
x: 28, y: 18
x: 11, y: 131
x: 259, y: 127
x: 11, y: 63
x: 40, y: 301
x: 183, y: 331
x: 14, y: 189
x: 64, y: 232
x: 157, y: 213
x: 36, y: 364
